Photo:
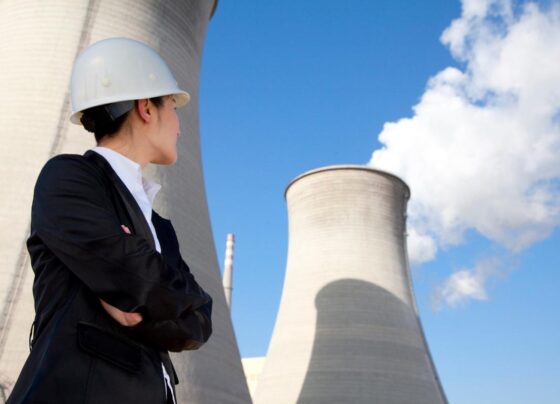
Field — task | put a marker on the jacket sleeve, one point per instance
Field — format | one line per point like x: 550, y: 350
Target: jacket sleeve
x: 72, y: 216
x: 193, y: 328
x: 188, y: 332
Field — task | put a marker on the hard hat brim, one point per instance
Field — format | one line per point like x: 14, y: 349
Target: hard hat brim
x: 182, y: 98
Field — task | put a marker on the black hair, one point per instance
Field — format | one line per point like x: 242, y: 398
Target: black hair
x: 103, y: 121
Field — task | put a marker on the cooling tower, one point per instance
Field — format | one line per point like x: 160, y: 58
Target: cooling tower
x: 40, y: 41
x: 347, y: 329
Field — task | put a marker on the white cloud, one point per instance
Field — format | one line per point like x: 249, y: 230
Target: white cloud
x: 421, y: 248
x: 482, y: 149
x: 466, y: 284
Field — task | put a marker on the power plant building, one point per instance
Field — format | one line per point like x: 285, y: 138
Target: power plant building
x: 347, y: 329
x: 40, y: 41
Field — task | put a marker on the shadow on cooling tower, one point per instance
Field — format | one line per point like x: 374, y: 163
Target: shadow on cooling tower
x: 366, y: 349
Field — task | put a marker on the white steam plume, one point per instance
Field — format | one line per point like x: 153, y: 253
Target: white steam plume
x: 466, y: 284
x: 482, y: 149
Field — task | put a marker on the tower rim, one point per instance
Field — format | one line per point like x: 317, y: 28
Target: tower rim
x: 357, y: 167
x: 214, y: 6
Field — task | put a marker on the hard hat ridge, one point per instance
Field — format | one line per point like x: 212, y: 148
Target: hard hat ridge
x: 120, y: 69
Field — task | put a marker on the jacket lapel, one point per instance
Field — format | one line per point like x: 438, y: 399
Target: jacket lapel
x: 136, y: 216
x: 167, y: 239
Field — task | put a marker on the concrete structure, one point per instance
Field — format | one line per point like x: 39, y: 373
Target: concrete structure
x: 253, y: 368
x: 40, y: 41
x: 228, y: 268
x: 347, y: 329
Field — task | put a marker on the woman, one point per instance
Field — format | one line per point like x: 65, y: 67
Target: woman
x: 112, y: 293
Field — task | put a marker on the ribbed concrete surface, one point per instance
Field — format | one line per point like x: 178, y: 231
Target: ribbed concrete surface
x: 347, y: 330
x: 40, y: 40
x: 253, y: 368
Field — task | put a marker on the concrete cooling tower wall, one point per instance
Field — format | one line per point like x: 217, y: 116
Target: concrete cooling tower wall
x: 40, y: 41
x: 347, y: 330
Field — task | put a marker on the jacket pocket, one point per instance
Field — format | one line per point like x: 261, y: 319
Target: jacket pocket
x: 109, y: 347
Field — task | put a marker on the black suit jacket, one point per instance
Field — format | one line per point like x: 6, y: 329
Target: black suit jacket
x: 80, y: 253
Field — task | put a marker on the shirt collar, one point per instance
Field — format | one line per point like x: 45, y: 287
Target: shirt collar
x: 129, y: 172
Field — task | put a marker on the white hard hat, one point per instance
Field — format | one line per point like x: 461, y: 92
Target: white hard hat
x: 120, y: 69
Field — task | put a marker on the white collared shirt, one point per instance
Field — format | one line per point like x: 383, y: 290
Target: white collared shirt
x: 142, y: 189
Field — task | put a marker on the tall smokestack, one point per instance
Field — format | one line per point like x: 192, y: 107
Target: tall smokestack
x: 228, y: 268
x: 347, y: 330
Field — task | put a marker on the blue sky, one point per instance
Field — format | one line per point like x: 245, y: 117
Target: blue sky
x: 291, y: 86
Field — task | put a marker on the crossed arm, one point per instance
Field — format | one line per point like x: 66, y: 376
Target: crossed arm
x: 185, y: 333
x: 123, y: 318
x: 160, y: 304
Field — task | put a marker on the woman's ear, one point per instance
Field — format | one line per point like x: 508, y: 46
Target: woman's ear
x: 144, y: 109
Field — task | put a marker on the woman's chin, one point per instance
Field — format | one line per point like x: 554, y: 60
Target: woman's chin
x: 166, y: 160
